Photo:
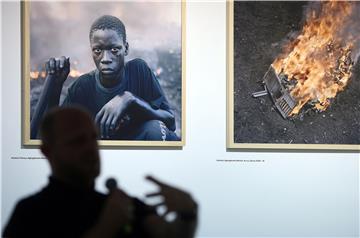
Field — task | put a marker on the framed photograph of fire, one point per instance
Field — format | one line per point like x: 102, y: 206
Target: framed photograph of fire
x: 293, y: 75
x: 127, y: 71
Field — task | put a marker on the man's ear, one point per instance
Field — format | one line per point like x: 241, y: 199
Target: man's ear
x: 126, y: 48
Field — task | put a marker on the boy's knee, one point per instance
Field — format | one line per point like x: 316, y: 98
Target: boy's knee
x: 154, y: 130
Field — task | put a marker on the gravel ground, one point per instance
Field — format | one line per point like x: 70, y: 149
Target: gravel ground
x: 259, y: 30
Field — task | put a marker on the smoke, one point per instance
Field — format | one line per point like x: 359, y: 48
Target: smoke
x: 62, y: 28
x: 350, y: 29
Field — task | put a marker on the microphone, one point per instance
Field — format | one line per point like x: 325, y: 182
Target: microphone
x: 111, y: 184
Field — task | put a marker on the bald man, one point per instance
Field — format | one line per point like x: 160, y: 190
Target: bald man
x: 69, y: 206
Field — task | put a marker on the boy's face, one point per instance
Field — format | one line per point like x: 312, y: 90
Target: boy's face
x: 108, y: 51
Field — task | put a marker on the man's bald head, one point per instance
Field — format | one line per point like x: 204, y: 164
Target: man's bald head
x: 69, y: 142
x: 61, y: 118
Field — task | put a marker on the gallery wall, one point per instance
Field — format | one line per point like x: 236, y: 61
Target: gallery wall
x: 261, y: 194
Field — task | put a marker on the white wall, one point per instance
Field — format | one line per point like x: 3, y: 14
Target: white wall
x: 1, y: 104
x: 290, y: 194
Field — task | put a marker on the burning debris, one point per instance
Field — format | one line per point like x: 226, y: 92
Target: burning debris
x: 276, y: 87
x: 35, y: 75
x: 317, y: 64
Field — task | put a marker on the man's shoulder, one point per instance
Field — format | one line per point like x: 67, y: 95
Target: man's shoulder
x: 33, y: 199
x: 31, y: 204
x: 20, y: 222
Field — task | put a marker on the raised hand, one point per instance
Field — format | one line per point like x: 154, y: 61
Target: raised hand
x: 58, y: 69
x: 111, y: 114
x: 174, y: 199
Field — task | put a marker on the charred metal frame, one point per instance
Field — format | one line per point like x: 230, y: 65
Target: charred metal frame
x: 280, y: 96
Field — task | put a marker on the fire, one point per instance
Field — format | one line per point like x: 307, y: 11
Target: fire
x: 317, y: 64
x: 42, y: 74
x: 74, y: 73
x: 34, y: 75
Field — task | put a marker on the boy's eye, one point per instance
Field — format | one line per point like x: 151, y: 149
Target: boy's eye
x: 114, y: 50
x: 97, y: 51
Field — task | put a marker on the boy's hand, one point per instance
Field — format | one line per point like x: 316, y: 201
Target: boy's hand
x: 110, y: 115
x: 58, y: 69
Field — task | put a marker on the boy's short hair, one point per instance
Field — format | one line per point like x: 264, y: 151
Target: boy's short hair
x: 108, y: 22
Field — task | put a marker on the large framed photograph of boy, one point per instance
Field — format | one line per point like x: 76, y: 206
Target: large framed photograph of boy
x: 293, y: 75
x: 123, y: 62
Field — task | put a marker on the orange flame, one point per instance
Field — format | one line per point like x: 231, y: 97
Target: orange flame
x: 34, y: 75
x: 319, y: 59
x: 42, y: 74
x: 74, y: 73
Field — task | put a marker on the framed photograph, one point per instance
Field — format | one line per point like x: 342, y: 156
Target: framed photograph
x: 293, y: 75
x: 123, y: 62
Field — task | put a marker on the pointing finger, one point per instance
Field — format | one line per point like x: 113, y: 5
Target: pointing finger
x: 148, y: 195
x: 156, y: 181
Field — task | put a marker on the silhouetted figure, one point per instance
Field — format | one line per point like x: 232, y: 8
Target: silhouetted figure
x: 125, y: 100
x: 70, y: 207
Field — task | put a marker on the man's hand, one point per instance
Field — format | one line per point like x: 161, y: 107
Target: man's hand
x: 117, y: 214
x: 174, y: 199
x: 58, y: 69
x: 118, y: 209
x: 110, y: 115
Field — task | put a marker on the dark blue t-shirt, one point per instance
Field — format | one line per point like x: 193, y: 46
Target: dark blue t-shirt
x: 88, y: 92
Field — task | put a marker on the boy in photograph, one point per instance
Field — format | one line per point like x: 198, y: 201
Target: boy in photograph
x: 125, y: 100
